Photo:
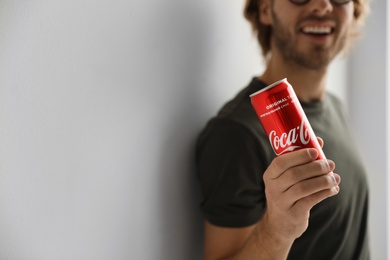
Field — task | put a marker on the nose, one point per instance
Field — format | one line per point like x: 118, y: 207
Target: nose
x: 321, y: 7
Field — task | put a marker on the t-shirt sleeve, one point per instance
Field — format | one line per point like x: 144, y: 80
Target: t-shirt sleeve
x: 230, y: 171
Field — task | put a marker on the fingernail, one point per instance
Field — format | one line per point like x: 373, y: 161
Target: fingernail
x: 337, y: 178
x: 330, y: 165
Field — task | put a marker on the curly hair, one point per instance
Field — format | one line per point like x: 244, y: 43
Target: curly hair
x: 251, y: 13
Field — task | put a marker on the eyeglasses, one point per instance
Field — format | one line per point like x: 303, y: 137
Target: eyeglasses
x: 303, y: 2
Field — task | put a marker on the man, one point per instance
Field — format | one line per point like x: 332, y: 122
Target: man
x: 259, y: 206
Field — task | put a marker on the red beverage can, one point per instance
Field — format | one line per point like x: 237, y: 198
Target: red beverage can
x: 283, y: 119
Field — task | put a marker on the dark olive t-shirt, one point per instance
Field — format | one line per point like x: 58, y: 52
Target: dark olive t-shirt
x: 233, y: 152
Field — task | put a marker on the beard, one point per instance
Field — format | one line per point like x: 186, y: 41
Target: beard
x: 316, y: 57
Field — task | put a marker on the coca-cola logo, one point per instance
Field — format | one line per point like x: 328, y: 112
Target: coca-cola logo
x: 295, y: 138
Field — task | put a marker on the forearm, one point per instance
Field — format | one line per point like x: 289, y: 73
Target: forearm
x: 295, y: 182
x: 263, y: 243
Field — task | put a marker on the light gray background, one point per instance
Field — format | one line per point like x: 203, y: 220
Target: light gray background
x: 100, y: 104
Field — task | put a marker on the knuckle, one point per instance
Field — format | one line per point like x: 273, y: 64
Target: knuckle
x: 330, y: 180
x: 325, y: 166
x: 278, y: 164
x: 322, y: 166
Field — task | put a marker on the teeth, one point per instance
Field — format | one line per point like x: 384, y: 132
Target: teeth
x: 318, y: 30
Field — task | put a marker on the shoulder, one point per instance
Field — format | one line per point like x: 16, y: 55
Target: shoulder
x: 235, y: 132
x: 336, y: 106
x: 239, y: 110
x: 333, y: 99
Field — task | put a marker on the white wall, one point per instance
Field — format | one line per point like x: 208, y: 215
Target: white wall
x: 367, y: 93
x: 387, y: 72
x: 100, y: 103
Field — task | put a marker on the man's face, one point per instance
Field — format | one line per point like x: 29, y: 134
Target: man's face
x: 310, y: 35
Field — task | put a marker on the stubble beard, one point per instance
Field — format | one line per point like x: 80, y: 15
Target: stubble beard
x: 315, y: 58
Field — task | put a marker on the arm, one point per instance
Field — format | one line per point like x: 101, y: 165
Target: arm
x: 294, y: 182
x: 243, y: 243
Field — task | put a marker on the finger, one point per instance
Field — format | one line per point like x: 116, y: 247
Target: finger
x: 320, y: 141
x: 306, y: 203
x: 312, y: 186
x: 307, y: 171
x: 283, y: 162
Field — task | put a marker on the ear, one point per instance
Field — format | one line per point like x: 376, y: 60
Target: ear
x: 265, y: 12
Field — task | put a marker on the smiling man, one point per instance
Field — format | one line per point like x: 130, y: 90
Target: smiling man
x: 259, y: 206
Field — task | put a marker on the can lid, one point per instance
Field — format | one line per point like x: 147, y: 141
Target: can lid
x: 268, y: 87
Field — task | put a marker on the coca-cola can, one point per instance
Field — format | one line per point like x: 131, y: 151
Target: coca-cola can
x: 283, y: 119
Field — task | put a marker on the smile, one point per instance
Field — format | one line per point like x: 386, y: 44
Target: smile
x: 317, y: 30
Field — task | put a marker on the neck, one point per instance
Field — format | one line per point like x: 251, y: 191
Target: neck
x: 309, y: 84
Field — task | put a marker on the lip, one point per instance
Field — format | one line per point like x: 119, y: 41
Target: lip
x: 317, y: 31
x: 324, y: 23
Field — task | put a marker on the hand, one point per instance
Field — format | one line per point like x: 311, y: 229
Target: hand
x: 294, y: 183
